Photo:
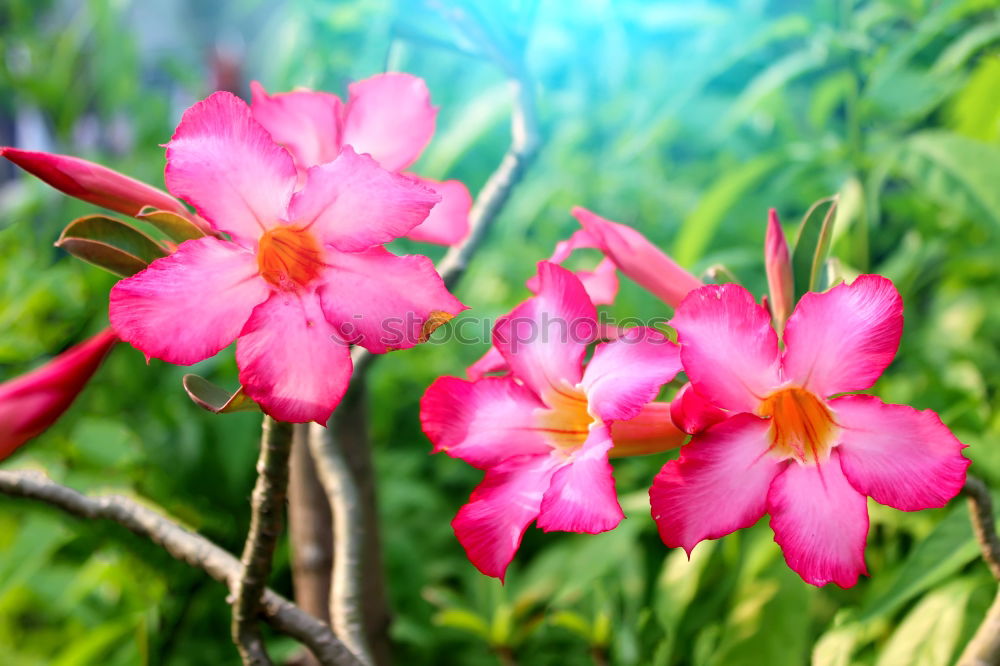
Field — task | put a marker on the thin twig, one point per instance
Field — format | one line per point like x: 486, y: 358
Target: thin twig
x: 266, y: 508
x: 348, y: 538
x: 984, y: 648
x: 184, y: 545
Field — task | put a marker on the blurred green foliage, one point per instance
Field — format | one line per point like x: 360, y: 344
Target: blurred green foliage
x: 685, y: 119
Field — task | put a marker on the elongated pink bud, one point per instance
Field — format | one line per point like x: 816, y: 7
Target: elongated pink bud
x: 92, y: 182
x: 777, y: 263
x: 29, y: 404
x: 637, y: 258
x: 650, y: 431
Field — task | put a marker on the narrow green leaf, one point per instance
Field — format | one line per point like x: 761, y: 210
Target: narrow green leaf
x: 929, y: 634
x: 176, y: 227
x: 465, y: 620
x: 110, y: 244
x: 700, y: 226
x: 214, y: 398
x: 812, y: 244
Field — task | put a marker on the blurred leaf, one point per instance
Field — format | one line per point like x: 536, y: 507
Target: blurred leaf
x: 812, y: 245
x: 110, y: 244
x: 465, y: 620
x: 957, y: 172
x: 177, y: 228
x: 929, y: 634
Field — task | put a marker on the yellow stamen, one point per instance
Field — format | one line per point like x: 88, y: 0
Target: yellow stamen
x: 566, y: 423
x: 802, y: 426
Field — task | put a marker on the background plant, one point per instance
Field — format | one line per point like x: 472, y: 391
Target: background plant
x: 687, y: 120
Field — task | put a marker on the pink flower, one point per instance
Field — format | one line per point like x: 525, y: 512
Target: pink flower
x: 29, y: 404
x: 543, y: 432
x: 304, y: 275
x: 388, y: 116
x: 93, y: 183
x: 786, y: 448
x: 635, y: 256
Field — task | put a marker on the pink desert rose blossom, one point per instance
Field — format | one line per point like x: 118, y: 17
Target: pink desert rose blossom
x: 303, y: 276
x: 388, y: 116
x: 784, y: 446
x: 543, y: 432
x: 29, y: 404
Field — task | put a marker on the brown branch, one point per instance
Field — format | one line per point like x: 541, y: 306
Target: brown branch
x: 346, y: 599
x: 984, y: 648
x: 184, y: 545
x: 266, y: 507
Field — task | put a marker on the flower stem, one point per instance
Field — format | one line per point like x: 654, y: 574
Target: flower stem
x: 984, y: 648
x: 267, y: 505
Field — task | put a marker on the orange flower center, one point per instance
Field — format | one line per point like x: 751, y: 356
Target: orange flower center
x: 802, y: 426
x: 289, y: 257
x: 566, y: 423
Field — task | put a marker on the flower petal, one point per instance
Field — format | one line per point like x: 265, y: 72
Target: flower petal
x: 305, y: 122
x: 291, y: 361
x: 353, y: 204
x: 187, y: 306
x: 729, y: 350
x: 692, y: 413
x: 448, y: 221
x: 224, y: 163
x: 638, y: 258
x: 489, y: 363
x: 898, y: 455
x: 483, y: 422
x: 717, y: 486
x: 843, y: 339
x: 626, y: 374
x: 384, y: 302
x: 491, y: 525
x: 649, y: 431
x: 601, y: 283
x: 820, y: 521
x: 92, y: 182
x: 390, y: 117
x: 32, y: 402
x: 582, y: 495
x: 544, y: 339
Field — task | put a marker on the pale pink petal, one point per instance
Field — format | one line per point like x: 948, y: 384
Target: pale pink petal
x: 353, y: 204
x: 841, y: 340
x: 601, y: 283
x: 544, y: 339
x: 307, y: 123
x: 384, y: 302
x: 820, y: 521
x: 224, y: 163
x: 692, y: 413
x: 189, y: 305
x: 649, y: 431
x: 582, y: 495
x: 448, y: 221
x: 729, y: 350
x: 717, y: 486
x: 900, y: 456
x: 390, y: 117
x: 291, y: 361
x: 483, y: 422
x: 492, y: 362
x: 491, y: 525
x: 637, y: 258
x: 625, y: 374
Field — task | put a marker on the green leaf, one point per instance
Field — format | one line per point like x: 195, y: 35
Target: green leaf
x: 110, y: 244
x: 945, y: 550
x: 699, y: 228
x: 214, y: 398
x: 956, y: 172
x: 176, y: 227
x: 465, y: 620
x: 929, y: 634
x: 812, y: 246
